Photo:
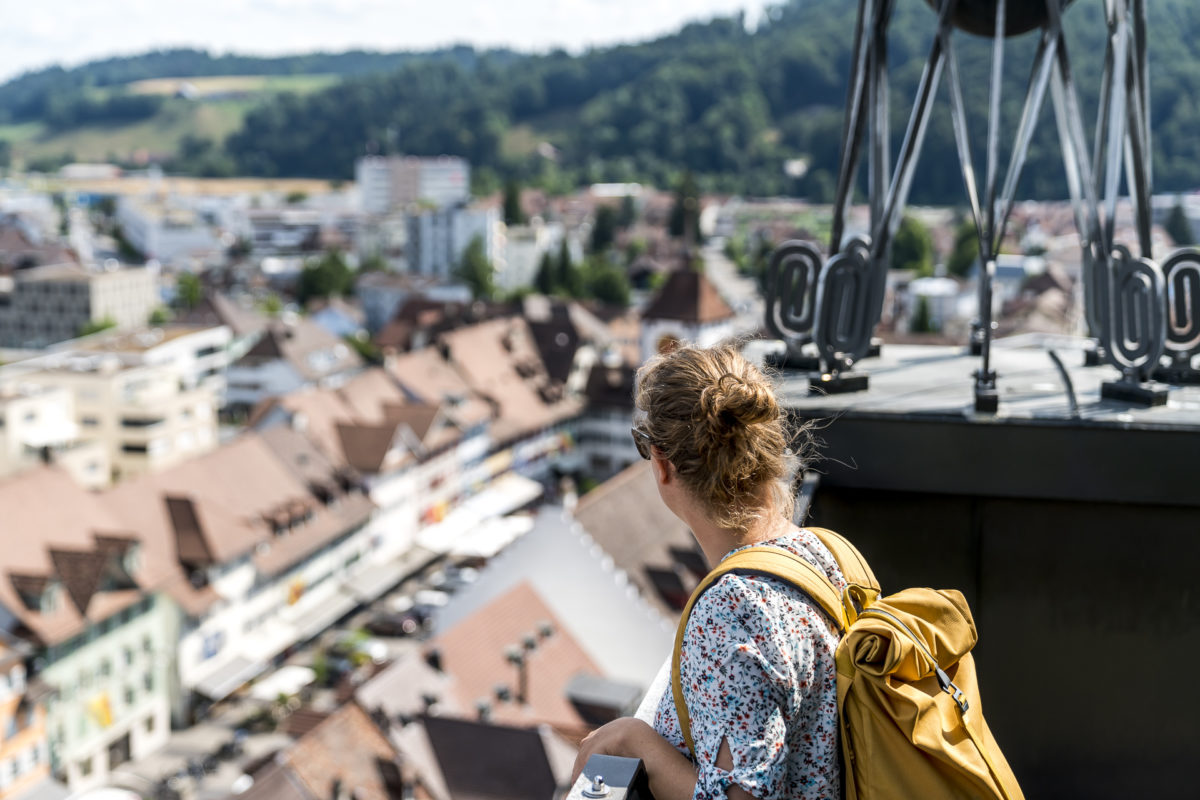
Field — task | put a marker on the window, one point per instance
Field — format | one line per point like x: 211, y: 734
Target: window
x: 105, y: 668
x: 140, y: 449
x: 85, y: 768
x: 128, y: 655
x: 149, y: 724
x: 130, y: 696
x: 89, y: 422
x: 148, y: 681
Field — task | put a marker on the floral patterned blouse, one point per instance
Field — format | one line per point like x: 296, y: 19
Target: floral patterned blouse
x: 758, y: 670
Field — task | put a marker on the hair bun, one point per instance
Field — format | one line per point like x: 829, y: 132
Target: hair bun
x: 732, y: 400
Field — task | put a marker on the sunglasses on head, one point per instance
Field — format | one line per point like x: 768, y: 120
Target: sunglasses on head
x: 641, y: 440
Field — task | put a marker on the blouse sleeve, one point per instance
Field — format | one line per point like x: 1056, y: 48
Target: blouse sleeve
x: 738, y: 671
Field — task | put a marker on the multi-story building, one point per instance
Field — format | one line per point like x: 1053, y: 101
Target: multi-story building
x: 261, y: 541
x: 394, y: 183
x: 78, y: 583
x: 167, y: 231
x: 38, y: 424
x: 289, y: 355
x: 438, y: 237
x: 145, y: 417
x: 24, y: 747
x: 198, y: 355
x: 49, y: 304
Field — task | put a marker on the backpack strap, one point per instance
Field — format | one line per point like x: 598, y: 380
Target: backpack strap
x: 854, y: 567
x: 775, y: 562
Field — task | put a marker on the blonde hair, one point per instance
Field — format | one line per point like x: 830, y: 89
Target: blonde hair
x: 715, y: 417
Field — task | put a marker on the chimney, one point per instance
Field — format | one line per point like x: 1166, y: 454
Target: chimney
x: 433, y: 657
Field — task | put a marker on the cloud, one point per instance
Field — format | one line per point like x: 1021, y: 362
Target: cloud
x: 74, y: 31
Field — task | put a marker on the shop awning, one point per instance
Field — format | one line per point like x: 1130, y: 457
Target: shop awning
x: 225, y: 679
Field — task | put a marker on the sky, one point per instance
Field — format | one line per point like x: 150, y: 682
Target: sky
x: 70, y: 32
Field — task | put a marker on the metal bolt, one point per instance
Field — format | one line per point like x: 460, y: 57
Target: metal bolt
x: 597, y: 789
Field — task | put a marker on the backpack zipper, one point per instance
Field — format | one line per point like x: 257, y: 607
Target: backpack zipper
x: 948, y: 686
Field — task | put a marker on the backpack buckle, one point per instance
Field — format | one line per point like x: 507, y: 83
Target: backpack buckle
x: 951, y: 689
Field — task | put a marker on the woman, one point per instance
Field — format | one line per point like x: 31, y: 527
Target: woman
x: 757, y: 663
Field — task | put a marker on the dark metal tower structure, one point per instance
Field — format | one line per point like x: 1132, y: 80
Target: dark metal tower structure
x: 1135, y: 309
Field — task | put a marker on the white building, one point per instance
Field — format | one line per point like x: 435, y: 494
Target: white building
x: 81, y: 585
x: 142, y: 415
x: 437, y: 238
x: 524, y: 246
x: 290, y: 355
x: 689, y: 309
x: 198, y: 355
x: 395, y: 183
x: 263, y: 541
x: 49, y: 304
x: 170, y: 232
x: 37, y: 424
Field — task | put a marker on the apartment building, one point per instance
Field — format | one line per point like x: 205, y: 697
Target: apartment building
x: 438, y: 238
x: 49, y: 304
x: 79, y: 585
x: 38, y: 424
x: 289, y: 355
x: 197, y: 355
x: 168, y: 231
x: 260, y: 542
x: 394, y: 183
x: 144, y: 416
x: 24, y: 747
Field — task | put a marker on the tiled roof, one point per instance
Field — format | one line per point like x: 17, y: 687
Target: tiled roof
x: 312, y: 351
x: 427, y: 376
x: 474, y: 652
x: 56, y: 532
x: 222, y: 505
x: 499, y: 361
x: 344, y: 749
x: 217, y: 309
x: 688, y: 296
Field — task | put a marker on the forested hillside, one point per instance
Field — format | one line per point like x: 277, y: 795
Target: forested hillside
x: 728, y: 104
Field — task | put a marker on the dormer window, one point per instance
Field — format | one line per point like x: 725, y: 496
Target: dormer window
x: 51, y: 597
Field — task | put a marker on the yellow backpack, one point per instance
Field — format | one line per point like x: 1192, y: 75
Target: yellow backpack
x: 909, y: 712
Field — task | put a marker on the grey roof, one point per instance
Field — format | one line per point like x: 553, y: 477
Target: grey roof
x: 629, y: 641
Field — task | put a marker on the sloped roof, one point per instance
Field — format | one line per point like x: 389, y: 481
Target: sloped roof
x: 231, y: 496
x: 312, y: 351
x: 688, y: 296
x: 50, y: 533
x: 610, y: 386
x: 429, y: 377
x: 499, y: 361
x: 505, y: 763
x: 347, y: 747
x: 628, y: 519
x: 218, y: 309
x: 473, y: 651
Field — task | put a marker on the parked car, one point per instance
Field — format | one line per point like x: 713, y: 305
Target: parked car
x: 405, y: 623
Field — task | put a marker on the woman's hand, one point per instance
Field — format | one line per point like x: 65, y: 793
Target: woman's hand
x: 617, y: 738
x: 672, y: 776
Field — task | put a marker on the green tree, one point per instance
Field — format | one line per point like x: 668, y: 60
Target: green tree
x: 913, y: 248
x: 966, y: 249
x: 159, y: 316
x: 189, y: 291
x: 628, y: 213
x: 97, y: 325
x: 512, y: 204
x: 1179, y: 228
x: 566, y: 273
x: 606, y: 283
x: 328, y: 276
x: 544, y: 281
x: 604, y: 229
x: 476, y: 271
x: 685, y: 213
x: 922, y: 321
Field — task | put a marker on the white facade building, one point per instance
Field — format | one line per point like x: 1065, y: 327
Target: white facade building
x: 438, y: 238
x: 167, y: 231
x: 49, y: 304
x: 395, y: 183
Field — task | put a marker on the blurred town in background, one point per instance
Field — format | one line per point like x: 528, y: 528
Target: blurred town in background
x: 304, y: 477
